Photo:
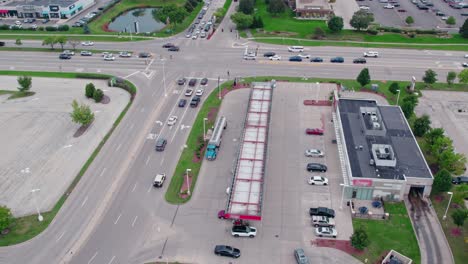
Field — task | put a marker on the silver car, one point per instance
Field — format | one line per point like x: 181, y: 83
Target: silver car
x: 326, y: 232
x: 314, y: 153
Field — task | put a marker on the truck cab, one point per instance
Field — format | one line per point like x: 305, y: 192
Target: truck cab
x: 215, y: 141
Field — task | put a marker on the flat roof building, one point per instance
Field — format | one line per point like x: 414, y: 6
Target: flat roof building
x: 47, y: 9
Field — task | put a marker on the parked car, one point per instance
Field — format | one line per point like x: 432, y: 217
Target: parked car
x: 168, y: 45
x: 192, y: 82
x: 195, y: 101
x: 159, y: 180
x: 337, y: 60
x: 300, y: 256
x: 161, y: 144
x: 172, y: 120
x: 243, y: 231
x: 204, y: 81
x: 199, y: 92
x: 86, y: 53
x: 222, y: 214
x: 64, y: 56
x: 314, y: 131
x: 175, y: 48
x: 359, y: 60
x: 320, y: 220
x: 465, y: 64
x: 250, y: 57
x: 2, y: 43
x: 295, y: 58
x: 188, y: 92
x: 388, y: 6
x: 181, y: 81
x: 105, y: 53
x: 269, y: 54
x: 322, y: 211
x: 275, y: 58
x: 316, y: 59
x: 314, y: 153
x: 460, y: 180
x: 227, y: 251
x: 87, y: 43
x: 326, y: 232
x: 182, y: 102
x: 318, y: 180
x: 316, y: 167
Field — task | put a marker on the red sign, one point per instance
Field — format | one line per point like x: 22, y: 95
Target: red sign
x: 362, y: 182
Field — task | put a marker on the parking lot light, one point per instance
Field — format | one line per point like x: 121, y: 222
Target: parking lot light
x: 39, y: 216
x: 448, y: 205
x: 188, y: 182
x: 398, y: 97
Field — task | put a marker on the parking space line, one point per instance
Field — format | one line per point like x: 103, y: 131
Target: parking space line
x: 102, y: 172
x: 112, y: 260
x: 134, y: 221
x: 116, y: 221
x: 118, y: 147
x: 147, y: 160
x: 60, y: 237
x: 162, y: 160
x: 91, y: 259
x: 149, y: 189
x: 84, y: 202
x: 134, y: 187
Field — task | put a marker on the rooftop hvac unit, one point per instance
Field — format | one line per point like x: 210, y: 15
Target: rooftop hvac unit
x: 376, y: 125
x: 374, y: 118
x: 371, y: 162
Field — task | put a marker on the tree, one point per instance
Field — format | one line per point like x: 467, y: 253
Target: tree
x: 408, y: 105
x: 442, y: 182
x: 219, y: 13
x: 25, y: 83
x: 319, y: 33
x: 430, y: 77
x: 364, y: 77
x: 74, y: 42
x: 452, y: 161
x: 18, y: 42
x: 62, y: 40
x: 409, y: 20
x: 359, y: 239
x: 81, y: 114
x: 335, y: 24
x: 394, y: 87
x: 361, y: 19
x: 431, y: 136
x: 89, y: 90
x: 242, y: 20
x: 421, y: 125
x: 459, y: 217
x: 6, y: 218
x: 464, y: 29
x: 188, y: 6
x: 98, y: 95
x: 86, y: 29
x: 246, y: 6
x: 463, y: 76
x: 259, y: 22
x: 49, y: 41
x: 451, y: 76
x: 174, y: 13
x: 451, y: 21
x: 276, y: 7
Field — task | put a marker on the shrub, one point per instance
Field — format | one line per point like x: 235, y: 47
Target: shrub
x: 63, y: 28
x: 373, y: 31
x: 89, y: 90
x: 4, y: 27
x: 49, y: 28
x: 98, y: 95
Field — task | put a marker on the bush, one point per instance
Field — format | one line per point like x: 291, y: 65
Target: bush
x: 4, y: 27
x: 63, y: 28
x: 442, y: 182
x: 90, y: 89
x: 49, y: 28
x: 394, y: 87
x: 98, y: 95
x: 372, y: 31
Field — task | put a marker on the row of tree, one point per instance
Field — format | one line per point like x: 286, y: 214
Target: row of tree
x: 245, y: 17
x: 61, y: 40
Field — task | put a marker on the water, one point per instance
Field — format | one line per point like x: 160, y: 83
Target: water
x: 144, y: 17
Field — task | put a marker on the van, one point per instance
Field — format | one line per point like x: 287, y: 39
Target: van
x: 159, y: 180
x: 296, y: 49
x: 374, y: 54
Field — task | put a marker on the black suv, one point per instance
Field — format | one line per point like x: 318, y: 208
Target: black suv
x: 222, y: 250
x: 269, y: 54
x: 175, y: 48
x: 161, y: 144
x: 144, y: 55
x: 359, y: 60
x: 195, y: 101
x: 64, y: 56
x: 316, y: 167
x: 2, y: 43
x: 182, y: 102
x: 168, y: 45
x: 192, y: 82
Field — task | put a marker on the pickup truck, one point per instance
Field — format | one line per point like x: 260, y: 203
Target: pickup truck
x: 322, y: 211
x: 322, y: 221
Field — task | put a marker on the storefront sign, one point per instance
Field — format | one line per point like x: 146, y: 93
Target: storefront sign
x: 362, y: 182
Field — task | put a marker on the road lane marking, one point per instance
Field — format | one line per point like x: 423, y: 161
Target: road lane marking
x: 118, y: 147
x: 112, y: 260
x: 182, y: 118
x: 95, y: 254
x: 134, y: 220
x: 116, y: 221
x: 102, y: 172
x: 162, y: 160
x: 147, y: 160
x: 149, y: 189
x: 134, y: 186
x: 130, y: 75
x: 68, y: 146
x: 60, y: 237
x: 83, y: 203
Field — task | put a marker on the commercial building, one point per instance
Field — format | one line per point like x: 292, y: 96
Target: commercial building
x: 379, y: 155
x: 47, y: 9
x: 311, y: 9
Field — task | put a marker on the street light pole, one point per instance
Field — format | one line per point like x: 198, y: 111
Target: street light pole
x: 188, y: 183
x: 219, y: 90
x: 448, y: 205
x: 164, y: 78
x: 204, y: 128
x: 398, y: 97
x: 39, y: 216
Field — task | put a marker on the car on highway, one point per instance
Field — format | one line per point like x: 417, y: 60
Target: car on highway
x: 314, y: 131
x: 295, y: 58
x: 249, y: 57
x: 2, y: 43
x: 87, y: 43
x: 269, y: 54
x: 275, y: 58
x: 204, y: 81
x: 188, y: 92
x: 86, y: 53
x: 192, y: 82
x: 337, y: 60
x: 374, y: 54
x: 69, y: 52
x: 195, y: 101
x: 188, y: 34
x: 227, y: 251
x: 304, y: 56
x: 465, y: 64
x: 195, y: 36
x: 105, y: 53
x: 168, y: 45
x: 359, y: 60
x: 363, y: 7
x: 181, y: 81
x: 182, y: 102
x: 324, y: 221
x: 401, y: 10
x: 161, y: 144
x: 389, y: 6
x: 243, y: 231
x: 314, y: 153
x: 316, y: 59
x: 316, y: 167
x: 466, y: 55
x: 295, y: 49
x: 144, y: 55
x: 172, y: 120
x: 203, y: 34
x: 125, y: 54
x: 318, y: 180
x: 199, y: 92
x: 64, y: 56
x: 300, y: 256
x: 109, y: 58
x: 326, y: 232
x: 175, y: 48
x: 159, y: 180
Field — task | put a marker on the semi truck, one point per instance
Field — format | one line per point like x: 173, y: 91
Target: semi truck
x: 215, y: 141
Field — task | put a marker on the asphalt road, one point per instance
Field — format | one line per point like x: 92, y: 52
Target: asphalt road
x: 114, y: 215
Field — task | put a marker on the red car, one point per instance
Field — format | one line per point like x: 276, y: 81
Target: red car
x: 314, y: 131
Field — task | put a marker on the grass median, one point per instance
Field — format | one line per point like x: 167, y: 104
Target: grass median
x: 27, y: 227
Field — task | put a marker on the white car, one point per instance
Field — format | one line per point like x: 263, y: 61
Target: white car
x: 172, y: 120
x: 105, y: 53
x: 466, y: 55
x: 319, y: 220
x: 125, y: 54
x: 388, y: 6
x: 243, y: 231
x: 304, y: 56
x: 465, y: 64
x: 275, y: 58
x: 318, y: 180
x: 109, y: 58
x: 189, y: 92
x: 364, y: 7
x: 295, y: 49
x: 199, y: 92
x: 17, y: 22
x: 444, y: 18
x: 326, y: 232
x: 159, y: 180
x: 314, y: 153
x: 87, y: 43
x: 374, y: 54
x: 249, y: 57
x: 34, y: 26
x: 69, y: 52
x: 195, y: 36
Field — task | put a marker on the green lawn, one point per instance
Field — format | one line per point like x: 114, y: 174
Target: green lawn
x: 25, y: 228
x: 395, y: 233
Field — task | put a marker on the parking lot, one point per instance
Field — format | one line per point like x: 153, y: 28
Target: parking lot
x: 423, y: 19
x: 287, y: 196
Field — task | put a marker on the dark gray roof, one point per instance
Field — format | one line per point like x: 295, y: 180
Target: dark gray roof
x: 409, y: 160
x: 62, y: 3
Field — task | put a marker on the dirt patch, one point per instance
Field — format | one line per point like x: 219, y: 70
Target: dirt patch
x: 197, y: 159
x: 81, y: 130
x: 105, y: 100
x: 212, y: 114
x: 343, y: 245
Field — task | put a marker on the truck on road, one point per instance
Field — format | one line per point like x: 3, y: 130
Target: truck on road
x: 215, y: 141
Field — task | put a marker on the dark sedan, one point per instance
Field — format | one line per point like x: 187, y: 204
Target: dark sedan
x: 359, y: 60
x: 227, y: 251
x: 168, y: 45
x: 192, y: 82
x: 181, y: 81
x: 269, y: 54
x: 316, y: 59
x: 144, y: 55
x: 175, y: 48
x: 64, y: 56
x: 182, y: 102
x: 337, y: 60
x: 295, y: 58
x: 204, y: 81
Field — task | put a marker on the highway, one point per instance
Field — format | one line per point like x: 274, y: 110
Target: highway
x: 114, y: 215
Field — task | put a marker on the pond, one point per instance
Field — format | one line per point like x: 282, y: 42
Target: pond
x: 144, y: 17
